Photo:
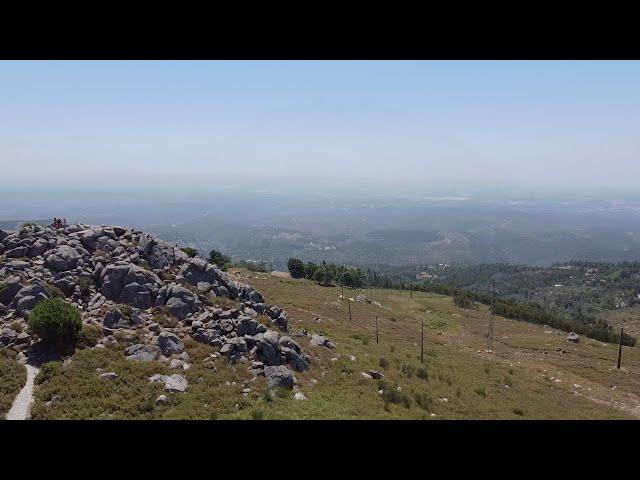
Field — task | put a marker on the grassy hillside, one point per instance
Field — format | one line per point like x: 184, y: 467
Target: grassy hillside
x: 525, y: 377
x: 12, y: 378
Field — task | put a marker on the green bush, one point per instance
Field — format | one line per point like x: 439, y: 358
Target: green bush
x: 85, y: 286
x: 219, y: 258
x: 463, y: 301
x: 407, y: 370
x: 191, y: 252
x: 384, y: 363
x: 423, y: 400
x: 392, y: 395
x: 48, y: 371
x: 481, y: 391
x: 296, y: 267
x: 56, y: 322
x: 28, y: 226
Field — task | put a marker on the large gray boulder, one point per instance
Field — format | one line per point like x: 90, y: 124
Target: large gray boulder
x: 28, y: 297
x: 279, y: 376
x: 172, y: 383
x: 248, y: 326
x: 178, y: 300
x: 130, y: 284
x: 63, y: 258
x: 136, y: 295
x: 142, y: 353
x: 170, y: 344
x: 39, y: 247
x: 26, y: 304
x: 199, y: 270
x: 9, y: 288
x: 176, y: 383
x: 112, y: 280
x: 17, y: 252
x: 66, y: 284
x: 114, y: 319
x: 268, y: 349
x: 321, y: 341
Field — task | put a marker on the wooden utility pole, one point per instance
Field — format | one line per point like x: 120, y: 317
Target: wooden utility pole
x: 376, y: 329
x: 411, y: 291
x: 422, y: 342
x: 349, y: 309
x: 620, y: 345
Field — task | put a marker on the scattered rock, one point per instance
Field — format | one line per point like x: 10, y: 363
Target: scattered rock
x: 142, y: 353
x: 176, y: 383
x: 574, y: 338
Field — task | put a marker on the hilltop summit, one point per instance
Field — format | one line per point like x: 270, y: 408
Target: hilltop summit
x: 134, y: 288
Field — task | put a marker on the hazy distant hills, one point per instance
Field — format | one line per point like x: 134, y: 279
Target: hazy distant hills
x: 399, y: 247
x: 273, y: 222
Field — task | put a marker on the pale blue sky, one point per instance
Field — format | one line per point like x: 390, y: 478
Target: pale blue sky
x: 537, y: 123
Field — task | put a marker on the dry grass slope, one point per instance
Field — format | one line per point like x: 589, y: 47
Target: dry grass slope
x: 525, y: 378
x: 12, y: 378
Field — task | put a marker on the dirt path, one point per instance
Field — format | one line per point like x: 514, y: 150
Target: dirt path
x: 20, y: 408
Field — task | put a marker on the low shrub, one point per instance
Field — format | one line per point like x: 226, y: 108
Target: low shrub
x: 166, y: 321
x: 464, y: 301
x: 407, y: 370
x: 54, y: 292
x: 85, y: 286
x: 48, y: 371
x: 89, y: 336
x: 393, y: 395
x: 423, y: 400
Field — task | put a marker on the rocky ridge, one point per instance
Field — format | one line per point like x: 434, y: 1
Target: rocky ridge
x: 141, y: 291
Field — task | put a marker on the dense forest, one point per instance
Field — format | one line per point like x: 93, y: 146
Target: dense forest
x: 327, y: 273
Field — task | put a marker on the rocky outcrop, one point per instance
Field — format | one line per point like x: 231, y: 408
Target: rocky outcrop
x: 178, y: 301
x: 145, y: 294
x: 127, y: 283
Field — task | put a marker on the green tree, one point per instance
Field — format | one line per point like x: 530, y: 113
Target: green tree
x: 322, y: 276
x: 219, y: 258
x: 56, y: 322
x: 296, y: 267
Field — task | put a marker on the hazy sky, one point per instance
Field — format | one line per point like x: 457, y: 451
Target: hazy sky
x: 539, y: 123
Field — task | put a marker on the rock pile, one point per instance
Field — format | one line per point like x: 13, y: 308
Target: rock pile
x: 149, y: 292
